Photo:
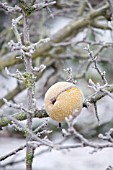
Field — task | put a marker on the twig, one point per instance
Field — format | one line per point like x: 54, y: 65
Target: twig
x: 23, y: 159
x: 96, y: 112
x: 10, y: 9
x: 12, y: 153
x: 35, y: 7
x: 39, y: 6
x: 107, y: 92
x: 23, y: 146
x: 70, y: 75
x: 71, y: 131
x: 14, y: 25
x: 25, y: 129
x: 94, y: 60
x: 17, y: 106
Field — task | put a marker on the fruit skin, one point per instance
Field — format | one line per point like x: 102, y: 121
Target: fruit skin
x: 63, y: 99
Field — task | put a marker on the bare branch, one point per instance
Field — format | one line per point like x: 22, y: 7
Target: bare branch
x: 12, y: 153
x: 94, y: 60
x: 17, y: 106
x: 10, y: 9
x: 39, y: 6
x: 73, y: 27
x: 98, y: 95
x: 25, y: 129
x: 70, y: 75
x: 96, y: 112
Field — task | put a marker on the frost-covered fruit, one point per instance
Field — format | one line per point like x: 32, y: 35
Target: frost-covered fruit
x: 63, y: 99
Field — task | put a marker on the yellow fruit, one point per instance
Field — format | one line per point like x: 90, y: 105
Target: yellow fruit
x: 63, y: 99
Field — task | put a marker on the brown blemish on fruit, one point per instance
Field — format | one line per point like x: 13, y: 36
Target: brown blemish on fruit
x: 53, y: 100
